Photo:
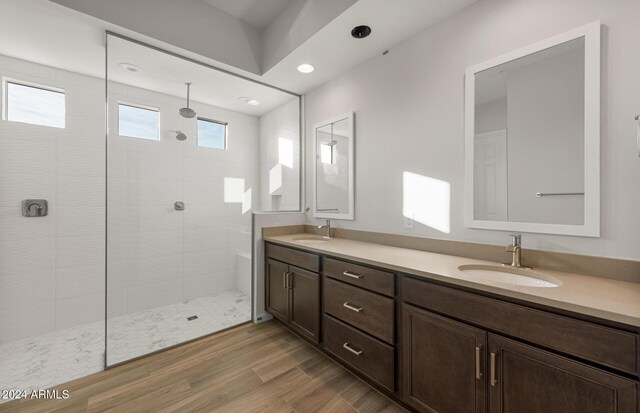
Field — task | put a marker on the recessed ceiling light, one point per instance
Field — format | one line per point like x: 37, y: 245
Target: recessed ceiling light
x: 249, y: 101
x: 129, y: 67
x: 306, y: 68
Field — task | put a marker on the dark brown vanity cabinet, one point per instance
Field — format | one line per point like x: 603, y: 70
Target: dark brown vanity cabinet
x: 527, y: 379
x: 440, y: 348
x: 293, y: 293
x: 359, y: 319
x: 444, y: 363
x: 450, y: 366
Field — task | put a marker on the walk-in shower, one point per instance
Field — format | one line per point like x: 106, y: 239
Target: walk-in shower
x: 146, y: 240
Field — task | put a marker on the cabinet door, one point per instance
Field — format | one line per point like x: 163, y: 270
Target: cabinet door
x: 277, y: 290
x: 444, y: 363
x: 305, y: 302
x: 527, y: 379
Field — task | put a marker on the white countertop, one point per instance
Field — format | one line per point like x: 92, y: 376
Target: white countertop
x: 604, y: 298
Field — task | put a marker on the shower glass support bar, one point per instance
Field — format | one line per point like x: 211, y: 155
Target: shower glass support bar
x: 638, y: 134
x: 541, y: 194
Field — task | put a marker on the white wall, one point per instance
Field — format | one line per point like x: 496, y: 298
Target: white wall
x: 410, y: 116
x: 52, y: 268
x: 157, y: 255
x: 279, y: 127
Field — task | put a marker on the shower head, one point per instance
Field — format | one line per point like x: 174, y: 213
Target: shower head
x: 187, y: 112
x: 181, y: 136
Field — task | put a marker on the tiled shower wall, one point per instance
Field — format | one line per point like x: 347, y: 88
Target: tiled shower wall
x: 52, y: 268
x: 157, y: 255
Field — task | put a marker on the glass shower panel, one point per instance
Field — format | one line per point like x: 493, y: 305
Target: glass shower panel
x: 52, y: 204
x: 181, y: 191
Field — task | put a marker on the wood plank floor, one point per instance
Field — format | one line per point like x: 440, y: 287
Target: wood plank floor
x: 251, y: 368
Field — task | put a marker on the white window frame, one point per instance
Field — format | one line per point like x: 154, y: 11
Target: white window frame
x: 48, y: 88
x: 139, y: 106
x: 219, y: 122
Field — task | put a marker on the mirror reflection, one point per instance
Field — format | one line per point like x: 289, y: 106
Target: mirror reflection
x: 334, y: 168
x: 529, y: 145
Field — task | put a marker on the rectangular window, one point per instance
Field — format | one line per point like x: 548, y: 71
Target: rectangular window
x: 138, y: 122
x: 212, y: 134
x: 37, y: 105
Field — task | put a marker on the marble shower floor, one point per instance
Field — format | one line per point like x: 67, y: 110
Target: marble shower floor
x: 57, y: 357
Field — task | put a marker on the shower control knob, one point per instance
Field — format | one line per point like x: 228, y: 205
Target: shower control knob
x: 179, y: 206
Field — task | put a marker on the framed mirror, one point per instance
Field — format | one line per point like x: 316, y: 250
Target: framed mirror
x: 333, y: 172
x: 532, y: 138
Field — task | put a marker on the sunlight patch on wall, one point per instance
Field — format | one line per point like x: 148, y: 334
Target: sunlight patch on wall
x: 233, y: 190
x: 275, y: 179
x: 427, y: 201
x: 246, y: 201
x: 285, y: 152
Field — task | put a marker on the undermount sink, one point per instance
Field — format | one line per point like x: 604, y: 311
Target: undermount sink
x: 311, y: 240
x: 512, y: 276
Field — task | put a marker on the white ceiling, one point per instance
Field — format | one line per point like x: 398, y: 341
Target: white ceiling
x: 168, y: 74
x: 333, y: 51
x: 57, y: 36
x: 258, y: 13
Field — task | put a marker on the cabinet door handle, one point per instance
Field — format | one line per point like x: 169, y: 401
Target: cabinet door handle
x: 492, y: 373
x: 285, y: 278
x: 352, y: 275
x: 289, y: 280
x: 478, y: 370
x: 352, y: 308
x: 346, y: 346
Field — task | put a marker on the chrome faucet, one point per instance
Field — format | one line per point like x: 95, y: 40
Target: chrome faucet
x: 327, y: 234
x: 515, y: 248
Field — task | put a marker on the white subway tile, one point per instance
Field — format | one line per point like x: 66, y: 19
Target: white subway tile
x: 27, y: 256
x: 147, y: 296
x: 79, y: 310
x: 27, y: 320
x: 80, y: 251
x: 80, y: 190
x: 13, y: 226
x: 77, y: 220
x: 26, y: 288
x: 153, y: 270
x: 77, y: 281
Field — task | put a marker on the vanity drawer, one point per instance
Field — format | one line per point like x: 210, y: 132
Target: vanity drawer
x: 296, y: 258
x: 603, y: 345
x: 365, y: 277
x: 365, y: 310
x: 372, y: 357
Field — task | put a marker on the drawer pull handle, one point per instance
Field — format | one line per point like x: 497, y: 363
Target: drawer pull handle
x: 492, y: 373
x: 478, y: 371
x: 352, y: 275
x: 352, y: 308
x: 346, y: 346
